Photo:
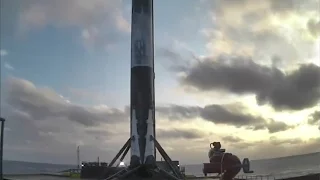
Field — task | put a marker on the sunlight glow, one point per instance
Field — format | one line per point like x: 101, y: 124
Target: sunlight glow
x: 316, y: 58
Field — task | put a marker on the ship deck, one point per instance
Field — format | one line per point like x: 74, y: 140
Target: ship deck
x: 55, y: 177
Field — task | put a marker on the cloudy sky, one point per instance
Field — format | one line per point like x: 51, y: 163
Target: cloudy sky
x: 243, y: 72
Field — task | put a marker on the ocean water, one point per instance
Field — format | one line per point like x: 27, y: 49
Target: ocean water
x: 19, y: 167
x: 277, y: 168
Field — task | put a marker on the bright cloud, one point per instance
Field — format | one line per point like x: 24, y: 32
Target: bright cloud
x: 101, y: 22
x: 270, y: 31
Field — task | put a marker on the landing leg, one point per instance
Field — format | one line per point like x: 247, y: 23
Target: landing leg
x: 110, y: 169
x: 125, y: 146
x: 145, y: 170
x: 168, y: 160
x: 124, y: 154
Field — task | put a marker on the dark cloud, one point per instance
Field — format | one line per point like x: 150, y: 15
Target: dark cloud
x: 314, y: 118
x: 100, y: 134
x: 314, y: 27
x: 277, y: 126
x: 231, y: 114
x: 25, y: 138
x: 54, y: 138
x: 285, y: 6
x: 274, y: 6
x: 42, y: 104
x: 23, y: 130
x: 275, y: 141
x: 235, y: 115
x: 225, y: 115
x: 40, y: 123
x: 275, y: 147
x: 231, y: 139
x: 294, y: 90
x: 177, y: 112
x: 179, y: 133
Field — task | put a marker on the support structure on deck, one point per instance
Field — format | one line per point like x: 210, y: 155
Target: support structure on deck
x: 144, y: 170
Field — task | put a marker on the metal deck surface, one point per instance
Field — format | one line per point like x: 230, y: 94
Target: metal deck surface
x: 64, y: 178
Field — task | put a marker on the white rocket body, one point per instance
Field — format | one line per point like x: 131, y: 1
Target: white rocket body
x: 142, y: 84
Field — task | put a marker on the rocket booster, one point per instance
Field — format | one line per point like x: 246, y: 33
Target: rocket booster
x: 142, y: 84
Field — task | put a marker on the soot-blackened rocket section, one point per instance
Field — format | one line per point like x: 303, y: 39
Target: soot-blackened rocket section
x: 142, y: 83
